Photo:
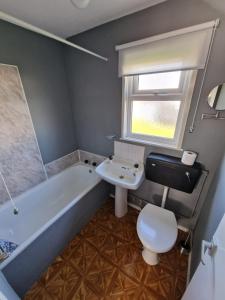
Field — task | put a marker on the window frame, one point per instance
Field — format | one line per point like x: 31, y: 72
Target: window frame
x: 136, y: 91
x: 183, y: 93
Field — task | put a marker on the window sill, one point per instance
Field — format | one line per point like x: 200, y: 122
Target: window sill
x: 146, y: 143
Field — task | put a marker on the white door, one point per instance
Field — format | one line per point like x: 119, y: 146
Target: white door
x: 208, y: 282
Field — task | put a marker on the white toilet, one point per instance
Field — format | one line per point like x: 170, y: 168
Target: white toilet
x: 157, y: 226
x: 157, y: 230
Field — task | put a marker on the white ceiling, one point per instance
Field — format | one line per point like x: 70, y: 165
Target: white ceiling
x: 62, y: 18
x: 217, y: 4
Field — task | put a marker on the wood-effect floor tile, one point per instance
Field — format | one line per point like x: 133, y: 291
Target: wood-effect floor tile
x: 104, y: 262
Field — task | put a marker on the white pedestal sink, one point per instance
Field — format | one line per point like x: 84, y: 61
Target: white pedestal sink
x: 125, y: 175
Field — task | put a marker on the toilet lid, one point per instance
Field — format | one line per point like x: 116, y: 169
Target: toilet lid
x: 157, y: 228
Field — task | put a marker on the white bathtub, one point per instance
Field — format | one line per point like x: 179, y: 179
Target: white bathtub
x: 43, y: 205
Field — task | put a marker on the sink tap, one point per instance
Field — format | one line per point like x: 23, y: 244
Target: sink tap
x: 110, y: 158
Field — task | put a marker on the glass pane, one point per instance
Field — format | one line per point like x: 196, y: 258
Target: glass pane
x: 155, y: 118
x: 159, y: 81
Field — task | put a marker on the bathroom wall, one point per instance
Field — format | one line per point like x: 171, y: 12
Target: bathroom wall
x: 96, y: 89
x: 35, y: 65
x: 212, y: 213
x: 21, y: 164
x: 4, y: 196
x: 41, y: 64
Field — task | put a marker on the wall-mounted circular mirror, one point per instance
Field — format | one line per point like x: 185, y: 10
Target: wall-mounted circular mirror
x: 216, y: 98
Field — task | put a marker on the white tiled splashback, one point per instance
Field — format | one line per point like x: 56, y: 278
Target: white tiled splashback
x: 129, y: 151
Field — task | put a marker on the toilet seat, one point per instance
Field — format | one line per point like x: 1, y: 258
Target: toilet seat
x: 157, y: 228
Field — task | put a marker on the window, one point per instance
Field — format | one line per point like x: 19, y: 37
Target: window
x: 159, y: 81
x: 158, y: 74
x: 155, y: 107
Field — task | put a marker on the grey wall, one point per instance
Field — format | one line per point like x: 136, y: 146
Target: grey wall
x: 211, y: 214
x: 96, y: 88
x: 42, y: 68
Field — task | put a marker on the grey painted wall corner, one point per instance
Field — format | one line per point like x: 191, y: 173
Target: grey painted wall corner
x: 97, y: 91
x: 211, y: 214
x: 42, y: 67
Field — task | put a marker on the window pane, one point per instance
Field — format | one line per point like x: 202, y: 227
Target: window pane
x: 155, y: 118
x: 159, y: 81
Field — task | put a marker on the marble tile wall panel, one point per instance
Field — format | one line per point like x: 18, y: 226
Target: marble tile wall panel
x: 20, y: 159
x: 62, y: 163
x: 4, y: 196
x: 84, y: 155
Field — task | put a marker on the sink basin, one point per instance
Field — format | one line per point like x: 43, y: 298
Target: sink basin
x: 124, y: 176
x: 121, y: 173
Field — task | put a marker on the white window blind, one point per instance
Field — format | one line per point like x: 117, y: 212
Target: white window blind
x: 184, y: 49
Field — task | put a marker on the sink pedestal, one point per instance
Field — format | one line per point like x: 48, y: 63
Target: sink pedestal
x: 120, y: 202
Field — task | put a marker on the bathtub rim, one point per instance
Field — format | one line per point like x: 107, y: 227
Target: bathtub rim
x: 50, y: 222
x: 16, y: 199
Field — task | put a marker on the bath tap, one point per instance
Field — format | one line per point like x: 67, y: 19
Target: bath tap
x: 16, y: 211
x: 90, y: 163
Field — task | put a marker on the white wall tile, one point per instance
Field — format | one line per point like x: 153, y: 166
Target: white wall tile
x: 129, y: 151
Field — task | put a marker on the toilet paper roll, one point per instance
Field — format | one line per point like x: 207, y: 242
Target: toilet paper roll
x: 188, y: 158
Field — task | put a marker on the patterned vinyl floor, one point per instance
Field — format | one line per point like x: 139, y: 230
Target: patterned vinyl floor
x: 104, y: 262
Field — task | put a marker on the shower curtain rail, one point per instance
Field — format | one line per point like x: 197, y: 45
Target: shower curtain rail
x: 30, y: 27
